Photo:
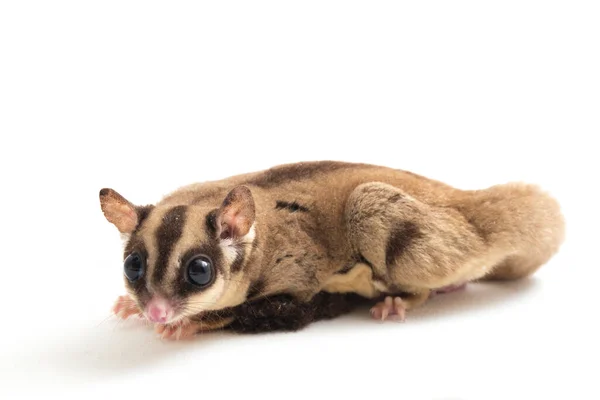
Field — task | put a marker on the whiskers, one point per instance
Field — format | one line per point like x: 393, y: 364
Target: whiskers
x: 110, y: 315
x: 194, y: 307
x: 194, y: 302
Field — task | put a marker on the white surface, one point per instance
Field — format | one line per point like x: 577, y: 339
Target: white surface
x: 144, y: 97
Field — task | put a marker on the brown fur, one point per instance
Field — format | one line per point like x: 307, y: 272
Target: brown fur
x: 329, y: 226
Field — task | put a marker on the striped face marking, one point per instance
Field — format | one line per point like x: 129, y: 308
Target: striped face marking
x: 186, y: 259
x: 183, y: 260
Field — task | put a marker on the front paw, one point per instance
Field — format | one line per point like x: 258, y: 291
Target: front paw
x: 125, y: 307
x: 180, y: 330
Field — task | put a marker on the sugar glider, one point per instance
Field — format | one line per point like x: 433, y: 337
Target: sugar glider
x: 281, y: 248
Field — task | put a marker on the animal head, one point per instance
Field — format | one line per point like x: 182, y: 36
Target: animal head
x: 182, y: 260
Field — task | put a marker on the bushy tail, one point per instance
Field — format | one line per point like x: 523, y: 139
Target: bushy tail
x: 521, y: 222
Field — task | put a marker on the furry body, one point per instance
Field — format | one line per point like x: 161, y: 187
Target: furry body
x: 314, y: 234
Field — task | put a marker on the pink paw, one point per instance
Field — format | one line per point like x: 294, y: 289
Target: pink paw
x: 389, y: 309
x: 183, y: 329
x: 449, y: 289
x: 125, y: 307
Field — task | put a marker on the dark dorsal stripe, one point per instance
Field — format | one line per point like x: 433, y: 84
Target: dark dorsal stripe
x: 292, y: 207
x: 297, y: 172
x: 167, y: 235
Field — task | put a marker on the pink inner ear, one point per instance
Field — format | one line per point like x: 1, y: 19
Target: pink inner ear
x: 121, y: 215
x: 233, y: 224
x: 225, y: 233
x: 228, y: 224
x: 236, y: 214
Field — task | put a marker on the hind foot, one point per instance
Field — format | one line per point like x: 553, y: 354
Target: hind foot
x: 390, y: 308
x: 449, y: 289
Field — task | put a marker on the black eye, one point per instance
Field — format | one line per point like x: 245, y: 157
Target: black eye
x: 134, y: 267
x: 200, y: 271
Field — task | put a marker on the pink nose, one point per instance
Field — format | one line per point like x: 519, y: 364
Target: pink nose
x: 159, y: 311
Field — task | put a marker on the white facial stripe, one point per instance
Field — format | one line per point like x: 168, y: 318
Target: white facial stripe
x: 250, y: 236
x: 229, y: 251
x: 221, y: 294
x: 225, y: 292
x: 207, y: 299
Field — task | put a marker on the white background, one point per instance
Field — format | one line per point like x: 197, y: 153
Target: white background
x: 147, y: 96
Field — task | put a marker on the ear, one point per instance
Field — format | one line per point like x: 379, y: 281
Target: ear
x: 236, y: 215
x: 118, y: 211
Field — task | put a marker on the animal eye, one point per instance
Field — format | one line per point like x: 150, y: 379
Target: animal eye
x: 134, y: 267
x: 200, y: 271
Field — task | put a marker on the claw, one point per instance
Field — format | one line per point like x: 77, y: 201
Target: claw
x: 384, y: 314
x: 399, y: 308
